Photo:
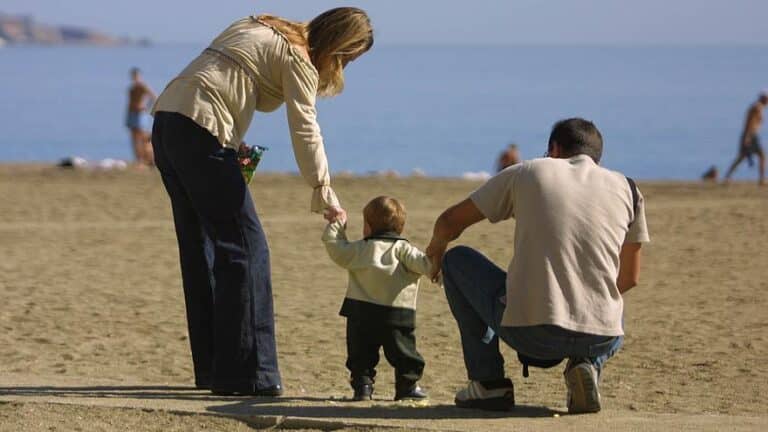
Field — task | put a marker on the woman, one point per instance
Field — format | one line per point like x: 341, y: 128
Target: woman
x: 200, y: 119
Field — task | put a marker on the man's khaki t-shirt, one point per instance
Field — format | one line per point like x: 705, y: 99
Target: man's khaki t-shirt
x: 572, y: 218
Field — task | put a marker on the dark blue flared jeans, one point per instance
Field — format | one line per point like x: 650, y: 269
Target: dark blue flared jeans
x: 224, y: 257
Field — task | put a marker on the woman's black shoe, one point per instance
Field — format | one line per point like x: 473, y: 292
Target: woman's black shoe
x: 272, y: 391
x: 203, y: 383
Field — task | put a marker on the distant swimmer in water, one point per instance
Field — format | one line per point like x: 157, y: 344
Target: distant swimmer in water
x: 749, y: 144
x: 137, y: 120
x: 510, y: 156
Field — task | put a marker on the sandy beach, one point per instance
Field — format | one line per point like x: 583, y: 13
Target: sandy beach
x: 91, y: 290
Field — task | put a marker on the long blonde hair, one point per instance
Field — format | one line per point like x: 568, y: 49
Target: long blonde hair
x: 333, y: 39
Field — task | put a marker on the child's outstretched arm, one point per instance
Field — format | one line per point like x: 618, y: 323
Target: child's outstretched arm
x: 341, y: 251
x: 414, y: 259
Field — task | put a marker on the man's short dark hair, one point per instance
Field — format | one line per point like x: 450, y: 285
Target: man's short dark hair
x: 577, y: 136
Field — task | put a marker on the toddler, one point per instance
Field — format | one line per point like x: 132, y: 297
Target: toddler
x: 380, y: 304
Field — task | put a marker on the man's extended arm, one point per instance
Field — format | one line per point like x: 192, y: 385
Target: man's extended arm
x: 629, y: 267
x: 449, y: 227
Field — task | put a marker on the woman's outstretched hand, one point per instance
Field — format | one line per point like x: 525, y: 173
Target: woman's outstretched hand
x: 333, y: 214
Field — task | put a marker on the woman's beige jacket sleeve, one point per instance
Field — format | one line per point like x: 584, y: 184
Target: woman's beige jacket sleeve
x: 299, y: 92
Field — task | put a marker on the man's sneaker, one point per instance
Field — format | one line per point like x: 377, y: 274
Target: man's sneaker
x: 581, y: 378
x: 413, y: 393
x: 363, y: 392
x: 498, y: 395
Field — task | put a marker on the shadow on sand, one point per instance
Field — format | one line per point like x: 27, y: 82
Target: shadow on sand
x: 296, y: 407
x: 132, y: 392
x: 335, y: 409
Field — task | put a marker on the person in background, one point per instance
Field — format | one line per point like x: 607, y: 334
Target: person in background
x: 749, y: 144
x: 710, y: 175
x: 140, y: 96
x: 577, y: 237
x: 256, y: 64
x: 510, y: 156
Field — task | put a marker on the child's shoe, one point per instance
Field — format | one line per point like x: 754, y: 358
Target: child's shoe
x: 363, y: 388
x: 413, y: 392
x: 363, y: 392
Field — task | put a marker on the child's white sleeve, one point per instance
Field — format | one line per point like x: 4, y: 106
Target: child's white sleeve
x: 341, y: 251
x: 414, y: 259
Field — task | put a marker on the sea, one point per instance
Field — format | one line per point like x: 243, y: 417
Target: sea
x: 665, y: 112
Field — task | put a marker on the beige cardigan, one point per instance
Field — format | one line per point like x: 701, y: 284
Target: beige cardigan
x: 252, y: 67
x: 384, y: 272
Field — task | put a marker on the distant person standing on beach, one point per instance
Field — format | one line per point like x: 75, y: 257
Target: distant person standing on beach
x: 257, y: 64
x: 510, y: 156
x: 749, y: 144
x: 137, y: 120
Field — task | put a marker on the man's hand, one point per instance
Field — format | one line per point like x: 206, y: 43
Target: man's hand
x: 435, y: 252
x: 449, y: 227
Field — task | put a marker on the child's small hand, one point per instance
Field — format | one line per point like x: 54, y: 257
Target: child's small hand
x: 341, y: 217
x: 335, y: 214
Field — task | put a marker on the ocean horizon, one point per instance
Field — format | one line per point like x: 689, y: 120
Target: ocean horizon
x: 666, y: 112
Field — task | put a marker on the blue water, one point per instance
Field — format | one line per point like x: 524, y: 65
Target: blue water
x: 665, y: 112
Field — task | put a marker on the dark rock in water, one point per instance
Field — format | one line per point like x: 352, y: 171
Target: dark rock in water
x: 24, y: 30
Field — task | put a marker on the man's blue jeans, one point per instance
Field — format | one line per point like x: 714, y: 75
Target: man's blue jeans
x: 474, y: 287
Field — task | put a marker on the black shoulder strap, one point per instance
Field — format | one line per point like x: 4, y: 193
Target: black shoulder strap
x: 635, y: 196
x: 530, y: 361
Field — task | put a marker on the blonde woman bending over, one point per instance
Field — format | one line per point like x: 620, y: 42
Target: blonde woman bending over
x: 256, y: 64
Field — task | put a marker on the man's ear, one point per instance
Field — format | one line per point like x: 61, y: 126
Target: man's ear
x: 554, y: 150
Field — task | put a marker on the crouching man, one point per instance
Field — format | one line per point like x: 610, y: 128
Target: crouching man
x: 577, y: 238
